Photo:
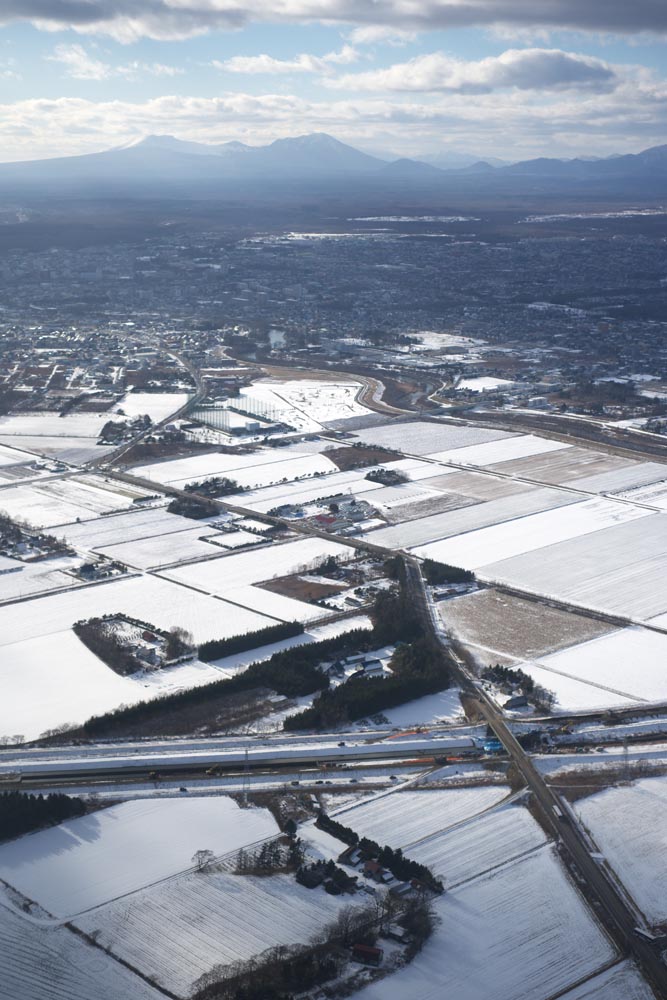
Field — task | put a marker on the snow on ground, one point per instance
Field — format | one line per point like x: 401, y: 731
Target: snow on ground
x: 157, y: 405
x: 655, y: 494
x: 436, y: 527
x: 417, y: 437
x: 630, y: 660
x: 180, y: 929
x: 572, y: 695
x: 318, y: 633
x: 445, y: 705
x: 54, y: 501
x: 14, y: 456
x: 36, y: 577
x: 640, y: 756
x: 245, y: 568
x: 259, y: 468
x: 635, y: 474
x: 522, y: 928
x: 484, y: 383
x: 493, y: 452
x: 53, y: 963
x: 479, y: 845
x: 152, y: 599
x: 526, y: 534
x: 305, y: 404
x: 176, y: 547
x: 285, y: 609
x: 91, y: 860
x: 408, y: 818
x: 54, y: 680
x: 351, y: 482
x: 629, y: 825
x: 619, y: 569
x: 51, y: 424
x: 74, y: 450
x: 131, y: 525
x: 621, y: 982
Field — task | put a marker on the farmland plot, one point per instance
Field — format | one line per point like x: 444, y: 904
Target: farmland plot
x: 522, y: 928
x: 572, y: 695
x: 152, y: 599
x: 416, y: 437
x: 497, y: 452
x: 176, y: 547
x: 622, y: 982
x: 630, y: 661
x: 52, y: 963
x: 479, y: 845
x: 434, y: 527
x: 73, y: 450
x: 59, y: 501
x: 36, y: 578
x: 285, y: 609
x: 654, y: 494
x: 568, y: 465
x: 54, y: 680
x: 131, y: 525
x: 157, y: 405
x: 74, y: 425
x: 259, y: 468
x: 245, y: 568
x: 177, y: 931
x: 515, y: 627
x: 636, y: 475
x: 525, y: 534
x: 406, y: 818
x: 620, y: 569
x: 94, y: 859
x: 629, y: 825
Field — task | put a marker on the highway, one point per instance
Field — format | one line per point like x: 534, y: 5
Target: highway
x: 616, y: 912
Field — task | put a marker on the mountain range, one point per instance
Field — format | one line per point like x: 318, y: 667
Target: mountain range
x: 162, y: 162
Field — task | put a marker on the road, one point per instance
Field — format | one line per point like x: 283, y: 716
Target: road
x: 616, y: 912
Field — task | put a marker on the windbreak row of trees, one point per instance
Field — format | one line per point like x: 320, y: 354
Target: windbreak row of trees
x: 20, y: 813
x: 217, y: 648
x: 290, y: 672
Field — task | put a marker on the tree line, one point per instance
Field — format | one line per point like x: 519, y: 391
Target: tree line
x: 215, y: 649
x: 20, y: 813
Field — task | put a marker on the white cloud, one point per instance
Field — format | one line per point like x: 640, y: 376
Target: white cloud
x: 303, y: 63
x: 506, y: 123
x: 375, y: 34
x: 128, y: 20
x: 525, y: 69
x: 80, y: 65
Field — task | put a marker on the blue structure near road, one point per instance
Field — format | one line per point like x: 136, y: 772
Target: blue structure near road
x: 493, y: 745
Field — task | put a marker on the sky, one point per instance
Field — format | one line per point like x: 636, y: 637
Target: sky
x: 421, y: 78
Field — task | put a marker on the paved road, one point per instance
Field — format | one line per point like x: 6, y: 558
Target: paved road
x: 617, y: 913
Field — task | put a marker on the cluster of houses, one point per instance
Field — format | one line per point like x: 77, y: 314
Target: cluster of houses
x: 361, y: 665
x: 356, y: 857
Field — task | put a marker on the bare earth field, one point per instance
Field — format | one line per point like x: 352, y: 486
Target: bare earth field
x: 515, y: 627
x: 563, y: 466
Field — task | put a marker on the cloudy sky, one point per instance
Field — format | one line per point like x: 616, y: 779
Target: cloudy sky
x: 506, y: 78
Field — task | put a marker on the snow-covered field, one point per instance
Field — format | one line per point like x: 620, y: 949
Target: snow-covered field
x: 479, y: 845
x: 86, y: 862
x: 52, y: 963
x: 131, y: 525
x: 573, y: 695
x: 520, y: 932
x: 157, y: 405
x: 177, y: 931
x: 526, y: 534
x: 37, y: 577
x: 351, y: 482
x: 655, y: 494
x: 152, y: 599
x: 54, y: 501
x: 416, y: 437
x: 484, y: 383
x: 633, y: 475
x: 494, y: 452
x: 620, y: 982
x: 407, y: 818
x: 630, y: 661
x: 51, y: 424
x: 468, y: 519
x: 54, y: 680
x: 305, y: 404
x: 260, y: 468
x: 445, y: 705
x: 619, y: 569
x: 245, y: 568
x: 175, y: 547
x: 629, y: 825
x: 74, y: 450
